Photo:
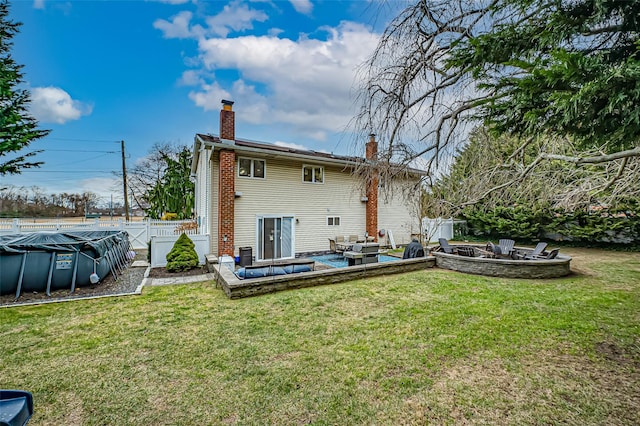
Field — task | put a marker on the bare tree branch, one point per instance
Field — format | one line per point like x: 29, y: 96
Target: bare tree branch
x: 595, y: 159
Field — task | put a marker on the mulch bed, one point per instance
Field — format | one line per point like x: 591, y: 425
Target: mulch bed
x: 163, y: 273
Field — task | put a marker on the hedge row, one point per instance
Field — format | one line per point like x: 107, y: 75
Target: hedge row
x: 523, y: 223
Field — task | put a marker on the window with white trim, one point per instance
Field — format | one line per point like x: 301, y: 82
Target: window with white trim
x: 251, y: 167
x: 333, y: 220
x: 312, y: 174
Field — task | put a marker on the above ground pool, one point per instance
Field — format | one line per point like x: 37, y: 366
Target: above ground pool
x: 45, y: 261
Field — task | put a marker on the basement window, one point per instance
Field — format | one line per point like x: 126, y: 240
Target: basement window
x: 333, y: 220
x: 251, y: 167
x: 313, y: 174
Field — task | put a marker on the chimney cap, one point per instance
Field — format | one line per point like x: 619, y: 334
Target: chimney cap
x: 226, y: 102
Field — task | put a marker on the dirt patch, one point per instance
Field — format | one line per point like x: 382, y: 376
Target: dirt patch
x: 583, y: 258
x: 618, y: 354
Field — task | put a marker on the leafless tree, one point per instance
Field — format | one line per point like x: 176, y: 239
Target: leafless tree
x: 149, y: 170
x: 422, y: 104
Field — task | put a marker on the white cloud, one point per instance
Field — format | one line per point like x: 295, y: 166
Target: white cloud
x: 291, y: 145
x: 174, y: 1
x: 103, y: 186
x: 38, y: 4
x: 209, y: 96
x: 190, y: 78
x: 234, y: 17
x: 302, y: 6
x: 54, y: 105
x: 177, y: 28
x: 306, y: 83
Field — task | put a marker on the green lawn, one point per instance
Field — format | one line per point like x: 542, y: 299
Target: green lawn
x: 429, y: 347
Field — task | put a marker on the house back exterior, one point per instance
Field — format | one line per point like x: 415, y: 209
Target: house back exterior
x: 285, y: 202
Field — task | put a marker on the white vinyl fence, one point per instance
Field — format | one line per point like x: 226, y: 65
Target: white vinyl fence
x: 437, y: 228
x: 161, y: 246
x: 140, y: 232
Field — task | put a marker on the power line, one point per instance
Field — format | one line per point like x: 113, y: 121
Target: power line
x: 80, y: 150
x: 80, y: 140
x: 68, y: 171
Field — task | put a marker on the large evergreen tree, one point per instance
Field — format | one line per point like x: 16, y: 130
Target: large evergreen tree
x: 173, y: 192
x: 17, y: 127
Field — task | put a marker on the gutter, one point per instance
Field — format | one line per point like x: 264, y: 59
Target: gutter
x: 271, y: 154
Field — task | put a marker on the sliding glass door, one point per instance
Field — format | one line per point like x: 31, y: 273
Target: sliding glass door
x: 275, y: 237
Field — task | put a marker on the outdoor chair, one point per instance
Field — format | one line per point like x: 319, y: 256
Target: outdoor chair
x: 553, y: 254
x: 506, y: 247
x: 444, y: 244
x: 537, y: 251
x: 337, y: 244
x: 546, y: 256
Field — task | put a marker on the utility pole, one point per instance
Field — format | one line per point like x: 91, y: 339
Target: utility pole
x: 124, y: 183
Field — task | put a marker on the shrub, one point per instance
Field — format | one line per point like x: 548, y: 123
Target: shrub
x: 182, y: 256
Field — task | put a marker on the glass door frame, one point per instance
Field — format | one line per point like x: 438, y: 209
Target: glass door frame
x: 260, y: 240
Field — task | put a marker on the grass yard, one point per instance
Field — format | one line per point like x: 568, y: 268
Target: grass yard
x: 428, y: 347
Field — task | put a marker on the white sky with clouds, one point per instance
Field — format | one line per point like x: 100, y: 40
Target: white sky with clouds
x: 147, y: 72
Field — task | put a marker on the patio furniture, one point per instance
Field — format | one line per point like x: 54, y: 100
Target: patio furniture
x: 506, y: 247
x: 338, y: 244
x: 444, y: 245
x: 548, y: 256
x: 362, y: 254
x: 261, y: 271
x: 537, y: 251
x: 413, y: 249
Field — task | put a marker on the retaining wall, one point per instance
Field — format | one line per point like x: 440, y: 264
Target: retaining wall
x: 236, y: 288
x: 506, y: 268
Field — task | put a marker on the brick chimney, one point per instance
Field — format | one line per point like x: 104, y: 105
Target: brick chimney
x: 227, y: 121
x: 371, y: 219
x: 226, y: 181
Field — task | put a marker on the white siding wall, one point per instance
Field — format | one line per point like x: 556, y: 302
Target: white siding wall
x: 398, y: 212
x: 282, y: 192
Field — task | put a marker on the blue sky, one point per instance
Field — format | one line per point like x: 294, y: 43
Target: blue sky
x: 155, y: 71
